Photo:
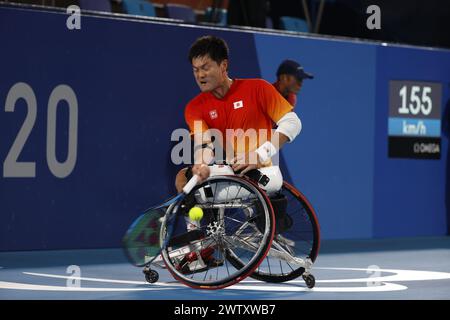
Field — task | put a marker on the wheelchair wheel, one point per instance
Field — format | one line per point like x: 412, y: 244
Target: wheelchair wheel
x: 296, y: 242
x: 237, y: 224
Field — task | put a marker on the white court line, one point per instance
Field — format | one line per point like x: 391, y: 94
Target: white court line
x: 27, y: 286
x: 379, y: 288
x: 46, y: 275
x: 247, y: 285
x: 398, y: 275
x: 241, y: 286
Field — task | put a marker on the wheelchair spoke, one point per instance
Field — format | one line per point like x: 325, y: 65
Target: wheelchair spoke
x: 236, y: 196
x: 228, y: 191
x: 223, y: 259
x: 268, y: 264
x: 215, y: 192
x: 290, y: 266
x: 206, y: 274
x: 245, y: 226
x: 195, y: 266
x: 226, y: 262
x: 235, y: 220
x: 238, y: 210
x: 245, y: 242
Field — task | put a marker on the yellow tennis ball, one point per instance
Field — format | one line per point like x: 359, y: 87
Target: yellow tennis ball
x: 196, y: 213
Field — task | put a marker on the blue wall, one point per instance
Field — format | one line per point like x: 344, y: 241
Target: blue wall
x: 409, y: 198
x: 132, y: 80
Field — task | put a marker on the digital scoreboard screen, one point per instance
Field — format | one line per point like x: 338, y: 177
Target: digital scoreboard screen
x: 414, y: 126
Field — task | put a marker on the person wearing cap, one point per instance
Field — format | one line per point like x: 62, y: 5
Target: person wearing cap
x: 290, y: 75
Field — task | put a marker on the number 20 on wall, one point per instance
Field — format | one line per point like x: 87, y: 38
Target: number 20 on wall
x: 15, y: 169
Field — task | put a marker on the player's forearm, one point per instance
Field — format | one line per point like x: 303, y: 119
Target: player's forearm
x: 289, y: 126
x: 203, y: 148
x: 203, y: 156
x: 278, y: 140
x: 270, y: 148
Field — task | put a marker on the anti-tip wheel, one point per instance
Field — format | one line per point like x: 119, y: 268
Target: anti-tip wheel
x: 151, y: 275
x: 310, y: 281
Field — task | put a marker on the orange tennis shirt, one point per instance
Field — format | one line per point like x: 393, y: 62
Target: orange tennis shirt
x: 248, y: 104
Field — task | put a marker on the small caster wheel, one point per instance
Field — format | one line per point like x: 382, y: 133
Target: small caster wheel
x: 310, y: 281
x: 151, y: 275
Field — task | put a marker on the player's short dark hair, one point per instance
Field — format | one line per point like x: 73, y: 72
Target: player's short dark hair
x: 216, y: 48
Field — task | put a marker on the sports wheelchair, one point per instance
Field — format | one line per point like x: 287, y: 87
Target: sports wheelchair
x: 245, y: 231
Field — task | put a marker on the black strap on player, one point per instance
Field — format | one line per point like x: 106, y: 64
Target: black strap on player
x: 257, y: 176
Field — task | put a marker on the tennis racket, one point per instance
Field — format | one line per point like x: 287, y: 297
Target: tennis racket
x: 141, y: 242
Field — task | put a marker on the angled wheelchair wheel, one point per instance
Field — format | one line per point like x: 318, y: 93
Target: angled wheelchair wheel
x: 237, y: 224
x: 296, y: 243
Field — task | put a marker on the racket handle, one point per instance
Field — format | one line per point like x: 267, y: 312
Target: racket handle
x: 191, y: 184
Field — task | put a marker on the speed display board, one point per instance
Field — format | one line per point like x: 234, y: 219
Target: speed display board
x: 414, y: 126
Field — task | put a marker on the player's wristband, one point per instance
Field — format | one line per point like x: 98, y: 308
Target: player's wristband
x: 266, y: 151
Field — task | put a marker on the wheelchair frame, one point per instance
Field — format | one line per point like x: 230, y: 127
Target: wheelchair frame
x: 274, y: 250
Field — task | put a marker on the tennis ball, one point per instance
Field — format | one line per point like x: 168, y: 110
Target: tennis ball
x: 196, y: 213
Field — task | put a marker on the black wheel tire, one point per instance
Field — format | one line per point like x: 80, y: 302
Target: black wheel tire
x: 278, y: 278
x: 310, y: 281
x: 151, y: 276
x: 245, y: 270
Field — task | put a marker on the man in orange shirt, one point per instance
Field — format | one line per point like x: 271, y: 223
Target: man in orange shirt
x: 239, y: 104
x: 290, y: 76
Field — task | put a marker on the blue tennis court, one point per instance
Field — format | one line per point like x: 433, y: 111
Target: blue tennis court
x: 412, y: 268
